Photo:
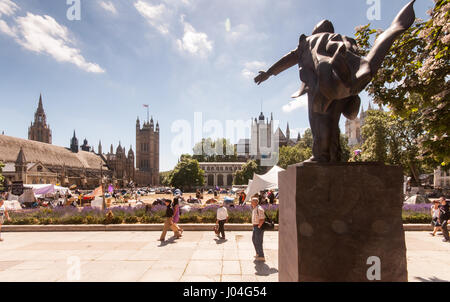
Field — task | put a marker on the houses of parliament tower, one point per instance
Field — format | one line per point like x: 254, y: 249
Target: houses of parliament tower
x: 39, y: 130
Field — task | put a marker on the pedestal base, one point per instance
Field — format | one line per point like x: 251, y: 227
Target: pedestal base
x: 334, y: 217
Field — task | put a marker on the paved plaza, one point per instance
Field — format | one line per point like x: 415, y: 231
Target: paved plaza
x: 199, y: 256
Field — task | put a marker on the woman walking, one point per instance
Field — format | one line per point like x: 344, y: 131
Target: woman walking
x: 168, y: 224
x: 435, y: 215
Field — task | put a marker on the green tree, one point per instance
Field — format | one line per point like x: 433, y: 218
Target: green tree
x: 413, y: 79
x: 290, y: 155
x: 242, y: 176
x: 164, y: 178
x: 345, y: 149
x: 220, y: 150
x: 393, y: 140
x: 2, y: 179
x: 187, y: 174
x: 375, y: 134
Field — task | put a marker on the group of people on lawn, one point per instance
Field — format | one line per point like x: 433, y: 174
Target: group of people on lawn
x: 172, y: 217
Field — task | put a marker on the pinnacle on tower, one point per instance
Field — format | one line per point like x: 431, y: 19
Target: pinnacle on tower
x: 40, y: 106
x: 21, y: 157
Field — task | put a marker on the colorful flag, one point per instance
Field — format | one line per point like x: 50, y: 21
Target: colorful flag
x: 145, y: 105
x: 97, y: 192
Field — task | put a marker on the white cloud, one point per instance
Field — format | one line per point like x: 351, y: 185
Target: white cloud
x: 301, y: 102
x: 156, y: 15
x: 194, y: 42
x: 4, y: 27
x: 42, y: 34
x: 8, y: 7
x: 251, y: 69
x: 108, y: 6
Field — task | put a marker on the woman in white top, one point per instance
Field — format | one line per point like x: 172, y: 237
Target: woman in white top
x: 435, y: 218
x: 3, y: 214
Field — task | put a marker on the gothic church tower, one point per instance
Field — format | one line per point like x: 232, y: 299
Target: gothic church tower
x: 39, y: 130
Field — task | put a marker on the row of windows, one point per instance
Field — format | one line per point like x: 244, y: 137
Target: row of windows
x: 144, y: 163
x: 145, y: 147
x: 231, y: 169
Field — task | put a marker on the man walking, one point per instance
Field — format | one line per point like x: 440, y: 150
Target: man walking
x: 168, y: 224
x: 222, y: 218
x: 258, y: 233
x: 444, y: 217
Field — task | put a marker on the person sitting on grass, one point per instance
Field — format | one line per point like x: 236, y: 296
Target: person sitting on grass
x: 3, y: 214
x: 435, y: 217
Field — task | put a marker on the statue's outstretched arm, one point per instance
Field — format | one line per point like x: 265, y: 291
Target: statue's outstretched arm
x: 284, y: 63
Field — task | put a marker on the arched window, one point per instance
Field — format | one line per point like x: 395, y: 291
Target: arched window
x: 229, y: 180
x: 220, y: 180
x: 210, y: 180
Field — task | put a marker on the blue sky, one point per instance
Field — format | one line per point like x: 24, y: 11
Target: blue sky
x: 178, y: 56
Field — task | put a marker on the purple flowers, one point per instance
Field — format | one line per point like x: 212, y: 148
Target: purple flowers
x: 418, y: 208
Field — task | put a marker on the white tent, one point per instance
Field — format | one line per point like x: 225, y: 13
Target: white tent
x: 45, y: 189
x: 268, y: 181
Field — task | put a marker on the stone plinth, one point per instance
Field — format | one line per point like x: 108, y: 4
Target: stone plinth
x: 333, y: 217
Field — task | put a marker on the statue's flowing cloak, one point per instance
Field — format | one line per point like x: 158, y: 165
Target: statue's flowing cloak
x: 331, y: 69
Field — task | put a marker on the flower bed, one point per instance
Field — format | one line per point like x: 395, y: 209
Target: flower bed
x: 128, y: 215
x: 417, y: 213
x: 141, y: 214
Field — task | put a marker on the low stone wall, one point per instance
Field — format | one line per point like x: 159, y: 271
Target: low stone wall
x: 153, y: 227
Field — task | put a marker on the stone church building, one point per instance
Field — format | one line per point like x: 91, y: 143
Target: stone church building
x: 353, y: 127
x: 263, y: 138
x: 37, y: 161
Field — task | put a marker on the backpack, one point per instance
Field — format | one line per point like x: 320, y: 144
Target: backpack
x: 268, y: 224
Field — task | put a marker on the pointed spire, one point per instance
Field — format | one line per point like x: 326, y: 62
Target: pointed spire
x: 21, y: 157
x: 112, y: 150
x: 40, y: 106
x: 271, y: 116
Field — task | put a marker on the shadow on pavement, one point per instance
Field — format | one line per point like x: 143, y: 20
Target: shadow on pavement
x: 432, y: 279
x: 263, y: 269
x: 220, y: 241
x: 171, y: 240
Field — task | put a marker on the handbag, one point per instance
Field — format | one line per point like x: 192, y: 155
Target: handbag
x: 268, y: 224
x: 216, y: 229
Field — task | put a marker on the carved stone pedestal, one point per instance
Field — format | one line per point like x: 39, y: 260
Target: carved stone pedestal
x: 335, y: 219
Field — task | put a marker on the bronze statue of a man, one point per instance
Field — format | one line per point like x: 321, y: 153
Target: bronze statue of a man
x: 333, y: 74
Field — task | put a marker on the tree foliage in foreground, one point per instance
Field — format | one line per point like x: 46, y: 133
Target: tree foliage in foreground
x: 414, y: 80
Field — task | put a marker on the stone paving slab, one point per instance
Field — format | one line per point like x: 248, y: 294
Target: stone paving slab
x: 198, y: 256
